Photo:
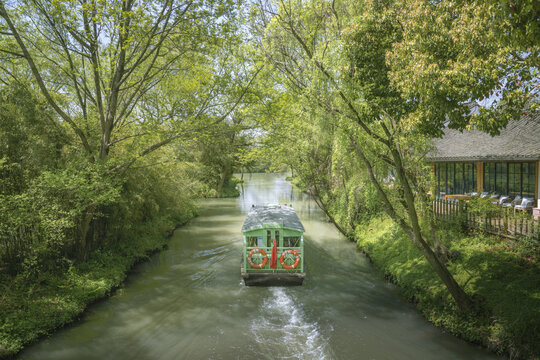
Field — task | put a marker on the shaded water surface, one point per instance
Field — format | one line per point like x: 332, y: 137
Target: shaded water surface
x: 188, y: 302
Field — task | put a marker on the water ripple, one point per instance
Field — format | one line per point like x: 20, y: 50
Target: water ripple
x: 282, y: 331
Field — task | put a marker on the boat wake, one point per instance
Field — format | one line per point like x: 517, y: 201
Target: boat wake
x: 281, y: 330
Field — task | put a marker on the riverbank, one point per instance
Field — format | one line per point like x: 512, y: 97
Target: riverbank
x: 503, y: 275
x: 33, y: 308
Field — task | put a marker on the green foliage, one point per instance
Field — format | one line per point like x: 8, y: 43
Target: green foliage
x: 482, y: 207
x: 355, y: 202
x: 32, y: 309
x: 29, y: 140
x: 55, y: 204
x: 151, y: 193
x: 42, y: 224
x: 456, y: 54
x: 502, y: 274
x: 375, y: 82
x: 148, y: 107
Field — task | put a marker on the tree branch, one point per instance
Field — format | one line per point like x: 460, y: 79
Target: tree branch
x: 386, y: 202
x: 41, y: 84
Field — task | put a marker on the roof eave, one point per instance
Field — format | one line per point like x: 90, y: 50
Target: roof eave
x: 484, y: 158
x: 271, y: 226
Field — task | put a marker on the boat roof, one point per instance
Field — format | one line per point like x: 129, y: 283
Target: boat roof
x: 283, y: 215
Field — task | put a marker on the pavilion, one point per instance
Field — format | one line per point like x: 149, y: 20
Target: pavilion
x: 473, y: 161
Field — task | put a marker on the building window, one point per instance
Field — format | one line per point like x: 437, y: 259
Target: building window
x: 469, y: 177
x: 440, y: 171
x: 437, y: 169
x: 489, y: 177
x: 514, y: 178
x: 501, y: 178
x: 450, y: 178
x: 459, y: 186
x: 510, y: 178
x: 455, y: 178
x: 528, y: 179
x: 442, y: 181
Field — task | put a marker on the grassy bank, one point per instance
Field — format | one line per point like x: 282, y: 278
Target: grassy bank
x: 32, y: 308
x: 503, y: 275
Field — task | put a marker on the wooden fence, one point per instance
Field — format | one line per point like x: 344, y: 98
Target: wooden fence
x: 501, y: 221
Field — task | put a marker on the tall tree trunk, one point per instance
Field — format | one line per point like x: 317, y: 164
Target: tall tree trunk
x: 440, y: 249
x: 413, y: 227
x: 415, y: 232
x: 226, y: 173
x: 85, y: 244
x: 460, y: 296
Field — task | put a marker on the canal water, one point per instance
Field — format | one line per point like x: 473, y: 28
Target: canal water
x: 188, y: 302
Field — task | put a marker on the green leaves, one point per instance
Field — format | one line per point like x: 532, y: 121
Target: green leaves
x: 456, y: 54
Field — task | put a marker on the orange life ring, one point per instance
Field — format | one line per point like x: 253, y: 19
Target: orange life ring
x: 282, y: 260
x: 255, y: 251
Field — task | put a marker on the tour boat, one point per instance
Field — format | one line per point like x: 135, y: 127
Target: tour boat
x: 273, y: 252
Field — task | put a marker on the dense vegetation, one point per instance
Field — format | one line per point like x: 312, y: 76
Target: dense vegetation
x: 114, y: 115
x: 370, y: 83
x: 503, y: 275
x: 373, y: 82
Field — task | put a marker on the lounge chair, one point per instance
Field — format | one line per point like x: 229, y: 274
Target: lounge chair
x: 505, y: 199
x: 484, y: 194
x: 496, y: 198
x: 526, y: 205
x: 517, y: 200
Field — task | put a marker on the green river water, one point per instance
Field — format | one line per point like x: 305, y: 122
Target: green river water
x: 188, y: 302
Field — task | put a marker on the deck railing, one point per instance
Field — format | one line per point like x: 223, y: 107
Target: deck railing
x: 279, y: 268
x: 503, y: 221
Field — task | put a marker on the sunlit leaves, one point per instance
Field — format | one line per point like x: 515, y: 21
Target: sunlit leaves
x: 454, y: 54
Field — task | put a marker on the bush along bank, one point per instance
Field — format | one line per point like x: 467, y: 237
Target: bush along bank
x: 502, y: 275
x: 33, y: 308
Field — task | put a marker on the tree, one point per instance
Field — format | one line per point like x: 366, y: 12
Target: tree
x: 454, y: 57
x: 95, y: 61
x: 109, y: 69
x: 336, y: 55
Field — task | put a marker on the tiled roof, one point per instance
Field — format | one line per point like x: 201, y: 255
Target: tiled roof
x: 519, y: 141
x: 272, y: 215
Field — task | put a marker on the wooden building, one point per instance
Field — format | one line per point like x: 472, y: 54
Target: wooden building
x: 473, y: 161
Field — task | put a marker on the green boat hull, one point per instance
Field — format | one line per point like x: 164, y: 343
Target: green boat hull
x: 272, y: 279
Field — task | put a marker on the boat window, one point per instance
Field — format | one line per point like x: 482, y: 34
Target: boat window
x: 277, y: 238
x: 268, y: 238
x: 291, y: 241
x: 252, y: 241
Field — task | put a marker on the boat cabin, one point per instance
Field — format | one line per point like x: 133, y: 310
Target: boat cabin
x: 273, y: 249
